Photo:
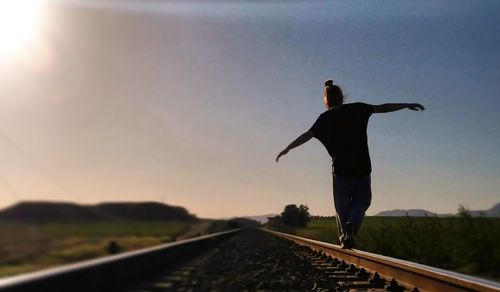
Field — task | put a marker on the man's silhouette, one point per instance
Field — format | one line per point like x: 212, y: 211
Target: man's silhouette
x: 342, y: 130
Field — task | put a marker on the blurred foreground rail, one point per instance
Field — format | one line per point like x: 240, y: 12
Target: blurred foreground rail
x: 249, y: 259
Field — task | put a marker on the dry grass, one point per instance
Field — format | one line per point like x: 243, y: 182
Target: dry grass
x: 25, y: 247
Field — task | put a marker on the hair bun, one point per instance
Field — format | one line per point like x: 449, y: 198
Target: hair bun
x: 329, y: 83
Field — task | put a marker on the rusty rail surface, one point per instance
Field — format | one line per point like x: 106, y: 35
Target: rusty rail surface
x: 408, y: 274
x: 111, y: 273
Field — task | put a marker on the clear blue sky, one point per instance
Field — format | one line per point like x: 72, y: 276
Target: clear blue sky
x: 190, y: 102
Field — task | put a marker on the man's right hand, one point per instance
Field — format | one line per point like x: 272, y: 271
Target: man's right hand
x: 285, y: 151
x: 306, y: 136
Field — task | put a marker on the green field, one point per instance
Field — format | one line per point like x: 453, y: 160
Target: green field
x: 28, y: 247
x: 463, y: 244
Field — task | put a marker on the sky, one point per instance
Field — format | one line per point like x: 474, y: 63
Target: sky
x: 189, y: 102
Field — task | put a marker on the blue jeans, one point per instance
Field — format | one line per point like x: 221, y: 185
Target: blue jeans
x: 352, y: 197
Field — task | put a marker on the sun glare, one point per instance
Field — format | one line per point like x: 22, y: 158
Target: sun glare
x: 19, y: 24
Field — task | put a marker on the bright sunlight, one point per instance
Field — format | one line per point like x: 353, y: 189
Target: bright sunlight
x: 19, y: 23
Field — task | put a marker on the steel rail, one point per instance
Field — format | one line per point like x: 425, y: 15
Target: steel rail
x: 410, y: 274
x: 110, y: 273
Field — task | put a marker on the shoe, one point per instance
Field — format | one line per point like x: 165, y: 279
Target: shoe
x: 348, y: 243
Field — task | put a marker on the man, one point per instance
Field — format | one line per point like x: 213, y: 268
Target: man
x: 342, y: 130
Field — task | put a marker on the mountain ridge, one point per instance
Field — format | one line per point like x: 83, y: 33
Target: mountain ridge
x: 260, y: 218
x: 49, y: 211
x: 492, y: 212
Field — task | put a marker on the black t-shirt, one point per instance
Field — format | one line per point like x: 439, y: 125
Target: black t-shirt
x: 343, y: 132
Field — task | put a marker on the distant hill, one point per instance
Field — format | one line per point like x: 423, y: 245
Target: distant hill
x: 50, y: 211
x: 39, y: 212
x: 492, y: 212
x: 261, y: 218
x: 148, y: 211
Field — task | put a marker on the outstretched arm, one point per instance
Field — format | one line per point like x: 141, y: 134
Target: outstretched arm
x: 391, y: 107
x: 297, y: 142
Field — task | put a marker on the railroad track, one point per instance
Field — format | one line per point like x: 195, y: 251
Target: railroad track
x: 250, y: 260
x: 397, y: 275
